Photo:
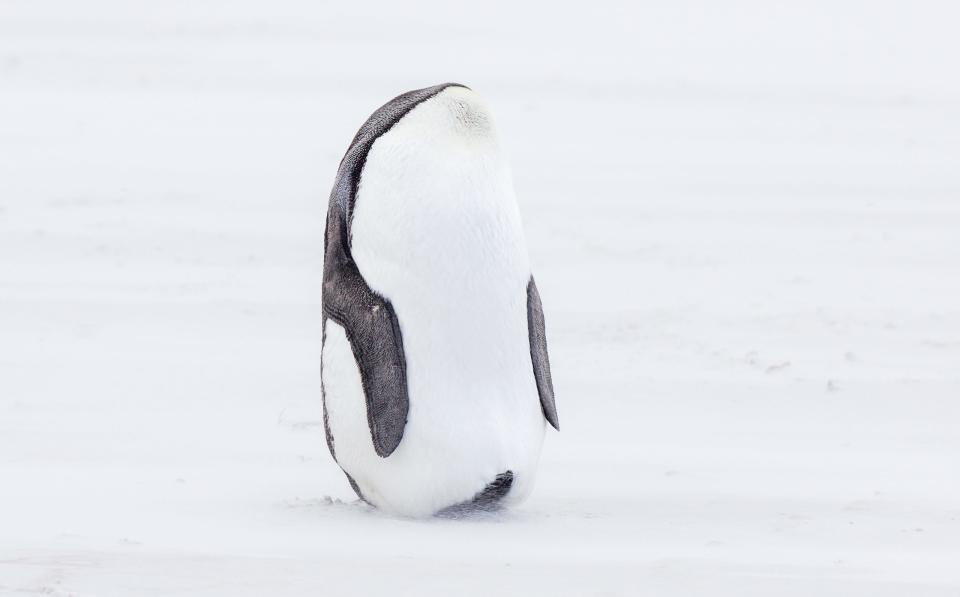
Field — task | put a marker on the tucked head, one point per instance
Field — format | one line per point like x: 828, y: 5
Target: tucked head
x: 453, y: 123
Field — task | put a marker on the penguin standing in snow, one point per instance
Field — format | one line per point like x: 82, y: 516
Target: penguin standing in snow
x: 436, y: 380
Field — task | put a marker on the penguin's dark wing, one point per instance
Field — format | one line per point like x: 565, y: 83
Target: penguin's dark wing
x: 536, y: 328
x: 368, y: 319
x: 374, y: 333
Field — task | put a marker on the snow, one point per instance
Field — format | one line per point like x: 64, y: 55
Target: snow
x: 743, y: 220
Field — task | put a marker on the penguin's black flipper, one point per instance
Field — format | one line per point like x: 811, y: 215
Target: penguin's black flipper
x: 538, y: 354
x: 374, y: 333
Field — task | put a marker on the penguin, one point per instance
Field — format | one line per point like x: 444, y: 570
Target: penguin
x: 435, y: 375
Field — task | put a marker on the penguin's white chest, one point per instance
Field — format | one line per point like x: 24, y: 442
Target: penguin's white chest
x: 437, y: 232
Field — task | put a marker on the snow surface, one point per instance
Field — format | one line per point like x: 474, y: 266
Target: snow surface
x: 745, y: 224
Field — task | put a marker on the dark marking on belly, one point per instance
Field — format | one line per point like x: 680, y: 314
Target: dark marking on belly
x: 488, y: 500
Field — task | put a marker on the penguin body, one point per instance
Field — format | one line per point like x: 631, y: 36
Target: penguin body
x: 436, y: 378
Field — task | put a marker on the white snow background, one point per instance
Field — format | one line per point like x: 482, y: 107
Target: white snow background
x: 744, y: 220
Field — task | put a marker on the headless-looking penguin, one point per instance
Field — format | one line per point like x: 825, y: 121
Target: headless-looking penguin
x: 436, y: 380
